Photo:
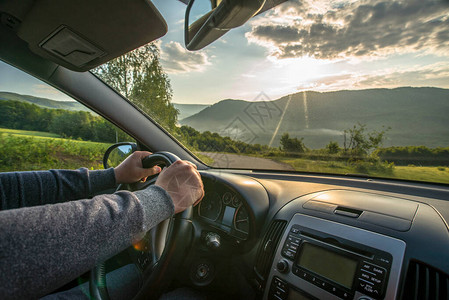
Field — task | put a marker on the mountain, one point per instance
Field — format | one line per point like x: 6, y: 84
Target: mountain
x: 187, y: 110
x: 44, y: 102
x: 417, y: 116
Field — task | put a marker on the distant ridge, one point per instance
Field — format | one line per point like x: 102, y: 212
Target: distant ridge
x: 43, y: 102
x: 187, y: 110
x: 417, y: 116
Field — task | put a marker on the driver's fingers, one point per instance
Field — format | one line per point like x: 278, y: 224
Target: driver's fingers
x: 190, y: 163
x: 149, y: 172
x: 141, y: 154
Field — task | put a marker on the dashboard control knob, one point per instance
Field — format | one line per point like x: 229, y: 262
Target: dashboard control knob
x: 282, y: 266
x: 213, y: 240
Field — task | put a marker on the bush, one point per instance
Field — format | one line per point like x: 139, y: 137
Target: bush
x: 369, y: 167
x: 415, y: 155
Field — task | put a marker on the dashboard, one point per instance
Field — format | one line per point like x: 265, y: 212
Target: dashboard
x: 312, y: 237
x: 225, y: 210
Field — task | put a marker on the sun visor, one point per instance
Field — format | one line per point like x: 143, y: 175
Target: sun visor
x: 81, y: 35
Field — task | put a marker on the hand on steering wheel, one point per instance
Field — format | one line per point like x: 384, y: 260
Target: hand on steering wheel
x: 132, y: 170
x: 183, y: 183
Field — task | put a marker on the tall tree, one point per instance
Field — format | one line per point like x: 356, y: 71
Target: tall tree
x: 152, y: 93
x: 138, y: 75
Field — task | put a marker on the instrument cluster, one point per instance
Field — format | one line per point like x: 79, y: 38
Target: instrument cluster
x: 226, y: 210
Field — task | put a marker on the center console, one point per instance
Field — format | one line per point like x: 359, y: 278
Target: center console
x: 321, y: 259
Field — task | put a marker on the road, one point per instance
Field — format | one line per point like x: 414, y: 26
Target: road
x: 225, y: 160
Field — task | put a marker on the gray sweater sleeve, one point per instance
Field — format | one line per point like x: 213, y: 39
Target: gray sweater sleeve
x: 43, y: 247
x: 24, y: 189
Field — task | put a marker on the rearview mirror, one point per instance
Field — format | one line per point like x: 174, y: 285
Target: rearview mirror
x: 223, y: 16
x: 117, y: 153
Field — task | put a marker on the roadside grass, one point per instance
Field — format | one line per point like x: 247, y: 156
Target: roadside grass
x: 22, y: 152
x: 204, y: 158
x: 29, y: 133
x: 428, y: 174
x: 431, y: 174
x: 318, y: 166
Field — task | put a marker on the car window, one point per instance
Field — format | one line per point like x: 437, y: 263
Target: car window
x: 42, y: 128
x: 339, y: 87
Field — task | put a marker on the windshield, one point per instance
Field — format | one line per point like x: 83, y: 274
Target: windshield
x: 341, y: 87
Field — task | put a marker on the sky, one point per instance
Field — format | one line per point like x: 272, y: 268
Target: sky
x: 299, y: 45
x: 312, y: 45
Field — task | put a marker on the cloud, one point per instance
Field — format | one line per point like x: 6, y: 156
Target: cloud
x: 177, y: 59
x: 348, y: 29
x: 428, y: 75
x: 432, y: 75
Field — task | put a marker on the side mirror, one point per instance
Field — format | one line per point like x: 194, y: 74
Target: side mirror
x: 118, y: 153
x: 225, y: 15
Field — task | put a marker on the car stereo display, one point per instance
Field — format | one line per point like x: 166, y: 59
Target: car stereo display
x: 327, y: 264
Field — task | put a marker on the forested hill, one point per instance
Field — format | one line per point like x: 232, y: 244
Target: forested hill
x: 43, y: 102
x: 417, y: 116
x: 187, y: 110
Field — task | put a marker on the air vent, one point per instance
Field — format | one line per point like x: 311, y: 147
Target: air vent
x: 9, y: 21
x: 425, y: 282
x: 268, y: 247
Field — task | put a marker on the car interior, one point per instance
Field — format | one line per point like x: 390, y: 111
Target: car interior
x: 258, y: 233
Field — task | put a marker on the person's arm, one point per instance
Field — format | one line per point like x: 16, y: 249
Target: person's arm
x: 44, y: 247
x: 25, y: 189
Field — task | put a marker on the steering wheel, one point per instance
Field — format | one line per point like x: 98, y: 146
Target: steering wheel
x: 177, y: 241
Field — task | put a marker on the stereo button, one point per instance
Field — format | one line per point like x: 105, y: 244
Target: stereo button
x: 287, y: 253
x: 365, y: 276
x: 369, y: 289
x: 291, y: 246
x: 278, y: 283
x: 302, y: 274
x: 332, y: 289
x: 375, y: 279
x: 367, y: 266
x: 344, y: 295
x: 317, y: 281
x: 379, y: 271
x: 280, y: 293
x: 294, y: 240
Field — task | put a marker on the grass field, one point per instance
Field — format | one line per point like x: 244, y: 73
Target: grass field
x: 22, y: 150
x: 29, y: 133
x: 429, y: 174
x: 29, y: 150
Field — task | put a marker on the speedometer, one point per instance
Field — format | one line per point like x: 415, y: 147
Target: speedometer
x: 210, y: 207
x: 241, y: 220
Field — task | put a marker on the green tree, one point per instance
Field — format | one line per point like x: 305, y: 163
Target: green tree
x: 153, y: 94
x: 358, y: 143
x: 138, y: 75
x: 294, y: 145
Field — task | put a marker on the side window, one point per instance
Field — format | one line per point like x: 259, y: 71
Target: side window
x: 42, y: 128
